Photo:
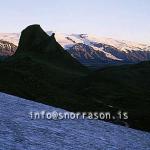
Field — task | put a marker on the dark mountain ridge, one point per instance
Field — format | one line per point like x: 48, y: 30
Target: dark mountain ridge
x: 35, y: 42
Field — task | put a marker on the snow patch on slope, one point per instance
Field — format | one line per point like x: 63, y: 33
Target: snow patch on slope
x: 121, y: 45
x: 19, y: 132
x: 108, y: 55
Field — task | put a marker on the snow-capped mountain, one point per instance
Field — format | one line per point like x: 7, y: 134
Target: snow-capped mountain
x: 95, y: 51
x: 21, y: 132
x: 7, y: 48
x: 10, y: 37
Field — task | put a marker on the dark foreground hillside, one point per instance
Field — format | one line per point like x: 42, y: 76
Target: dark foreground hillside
x: 42, y: 70
x: 126, y: 87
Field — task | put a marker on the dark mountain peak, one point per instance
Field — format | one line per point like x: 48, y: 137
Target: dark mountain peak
x: 35, y: 43
x: 33, y: 27
x: 34, y: 38
x: 34, y: 32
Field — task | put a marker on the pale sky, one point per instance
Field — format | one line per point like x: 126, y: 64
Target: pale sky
x: 120, y: 19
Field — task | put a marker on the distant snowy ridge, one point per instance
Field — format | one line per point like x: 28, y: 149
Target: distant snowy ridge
x: 89, y: 39
x: 70, y: 39
x: 18, y: 131
x: 95, y: 51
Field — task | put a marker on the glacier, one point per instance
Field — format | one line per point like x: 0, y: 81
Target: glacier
x: 19, y: 132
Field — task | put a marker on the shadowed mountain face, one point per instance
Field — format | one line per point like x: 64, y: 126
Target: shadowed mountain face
x: 92, y: 58
x: 34, y: 39
x: 42, y: 70
x: 31, y: 38
x: 99, y: 55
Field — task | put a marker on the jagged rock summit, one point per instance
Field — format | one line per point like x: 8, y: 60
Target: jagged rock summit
x: 35, y: 44
x: 34, y: 39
